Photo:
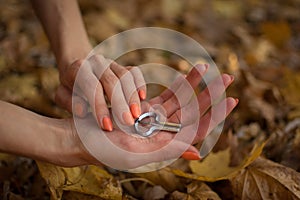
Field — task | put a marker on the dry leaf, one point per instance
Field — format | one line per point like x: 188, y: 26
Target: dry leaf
x: 79, y: 196
x: 277, y: 32
x: 196, y: 191
x: 25, y: 90
x: 216, y: 166
x: 164, y: 178
x: 49, y: 80
x: 155, y: 192
x: 265, y: 179
x: 90, y: 180
x: 290, y: 87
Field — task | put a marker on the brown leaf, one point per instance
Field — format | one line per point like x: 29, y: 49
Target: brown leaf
x: 290, y: 87
x: 277, y: 32
x: 264, y: 179
x: 79, y: 196
x: 90, y: 180
x: 164, y: 178
x: 196, y: 191
x: 155, y: 192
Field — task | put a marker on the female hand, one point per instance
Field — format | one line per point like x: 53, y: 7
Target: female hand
x: 65, y: 29
x: 95, y: 78
x: 122, y: 150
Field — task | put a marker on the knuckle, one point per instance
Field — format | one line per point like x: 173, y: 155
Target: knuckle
x: 109, y: 77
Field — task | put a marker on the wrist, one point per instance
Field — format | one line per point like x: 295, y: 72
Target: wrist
x: 69, y: 56
x: 67, y: 150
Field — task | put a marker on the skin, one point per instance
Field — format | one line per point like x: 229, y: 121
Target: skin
x: 57, y: 141
x: 64, y: 27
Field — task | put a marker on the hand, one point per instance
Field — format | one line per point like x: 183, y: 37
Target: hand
x: 95, y: 78
x: 135, y: 151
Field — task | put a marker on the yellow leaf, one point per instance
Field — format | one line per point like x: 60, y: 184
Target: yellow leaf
x: 196, y: 191
x: 216, y: 166
x: 265, y: 179
x: 90, y: 180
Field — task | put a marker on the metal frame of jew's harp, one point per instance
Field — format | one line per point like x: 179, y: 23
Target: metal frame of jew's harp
x: 157, y: 125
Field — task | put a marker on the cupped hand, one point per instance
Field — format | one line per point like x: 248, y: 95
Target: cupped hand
x: 121, y: 149
x: 96, y: 79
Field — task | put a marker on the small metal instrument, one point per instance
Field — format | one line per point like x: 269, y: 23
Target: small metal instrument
x: 149, y: 122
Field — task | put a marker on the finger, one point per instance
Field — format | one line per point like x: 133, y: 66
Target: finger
x: 129, y: 88
x: 213, y: 92
x: 111, y: 86
x: 113, y: 89
x: 185, y: 90
x: 68, y: 76
x: 214, y: 117
x: 63, y: 97
x: 139, y: 82
x: 191, y: 154
x: 101, y: 110
x: 89, y: 84
x: 194, y: 77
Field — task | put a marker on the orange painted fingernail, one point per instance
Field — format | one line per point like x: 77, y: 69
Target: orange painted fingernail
x: 188, y: 155
x: 78, y: 109
x: 128, y: 119
x: 142, y: 94
x: 135, y: 110
x: 107, y: 124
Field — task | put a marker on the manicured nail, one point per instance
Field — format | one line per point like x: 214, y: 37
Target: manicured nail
x: 237, y: 101
x: 107, y: 124
x: 231, y: 77
x: 142, y: 94
x: 78, y: 110
x: 128, y: 119
x: 188, y: 155
x: 201, y: 67
x: 135, y: 110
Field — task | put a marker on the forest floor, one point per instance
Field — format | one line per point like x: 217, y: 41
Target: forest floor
x: 258, y: 154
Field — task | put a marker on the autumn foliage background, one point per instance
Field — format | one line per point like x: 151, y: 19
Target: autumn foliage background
x: 258, y: 154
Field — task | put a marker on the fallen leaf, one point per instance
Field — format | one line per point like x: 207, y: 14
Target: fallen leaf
x: 265, y: 179
x: 289, y: 86
x: 164, y: 178
x: 90, y: 180
x: 155, y: 192
x: 196, y: 191
x: 79, y: 196
x: 29, y: 94
x: 216, y: 166
x: 277, y: 32
x: 49, y: 80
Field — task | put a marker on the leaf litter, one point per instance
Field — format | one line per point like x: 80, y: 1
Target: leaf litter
x: 257, y: 156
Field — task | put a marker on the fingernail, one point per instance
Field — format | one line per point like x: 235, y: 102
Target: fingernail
x: 201, y: 67
x: 188, y: 155
x: 231, y: 77
x: 78, y: 109
x: 135, y: 110
x: 128, y: 118
x: 237, y: 101
x: 107, y: 124
x: 142, y: 94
